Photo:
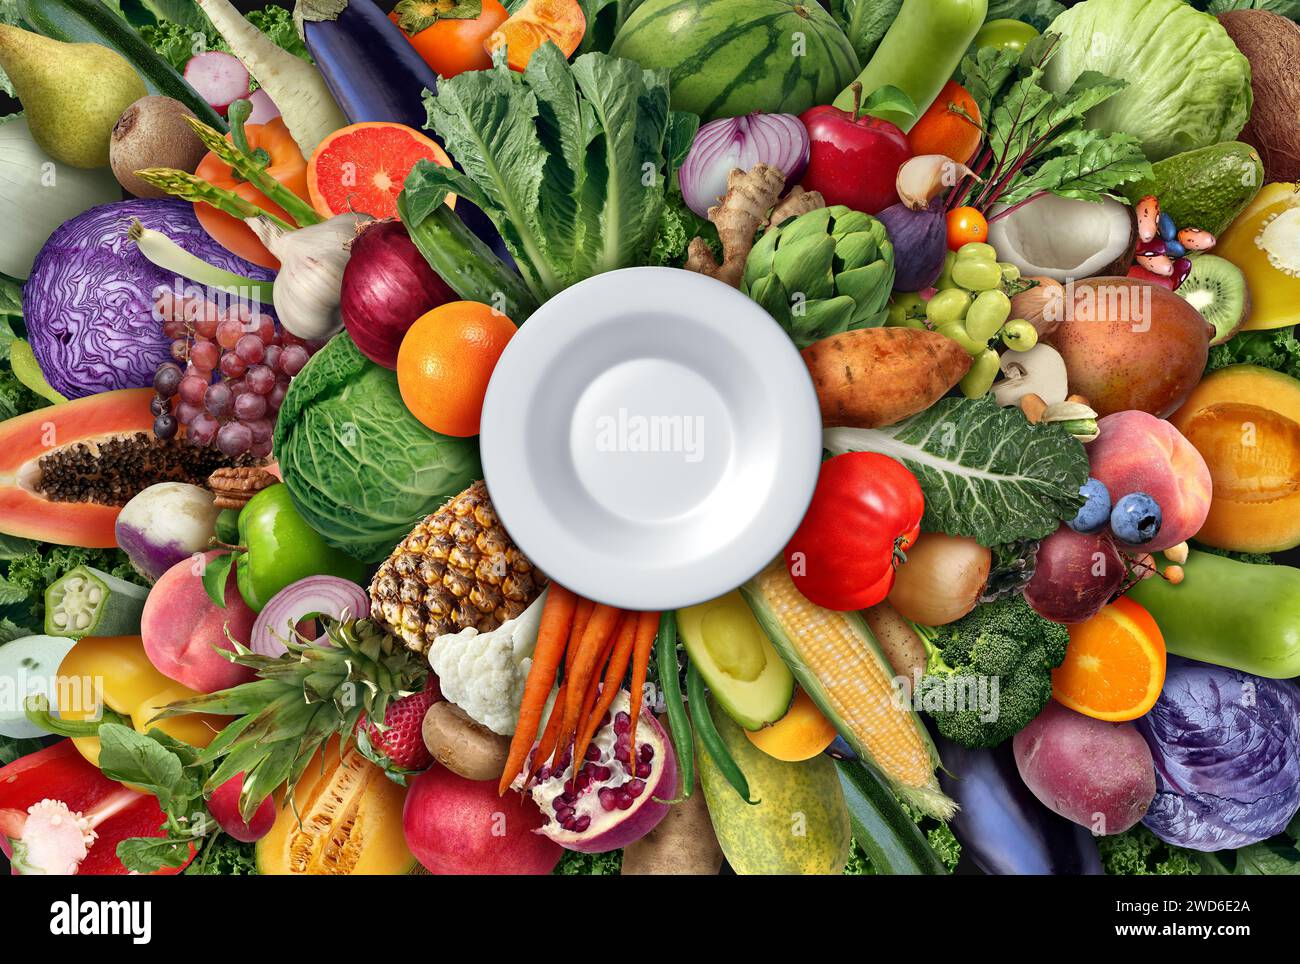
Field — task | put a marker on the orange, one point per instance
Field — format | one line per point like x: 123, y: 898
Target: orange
x: 799, y: 735
x: 445, y: 362
x: 1114, y: 666
x: 941, y: 130
x: 362, y: 168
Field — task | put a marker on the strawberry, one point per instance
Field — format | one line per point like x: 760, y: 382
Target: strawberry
x: 401, y: 741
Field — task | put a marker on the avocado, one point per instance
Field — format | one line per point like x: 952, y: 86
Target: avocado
x: 1206, y: 188
x: 799, y: 823
x: 746, y: 674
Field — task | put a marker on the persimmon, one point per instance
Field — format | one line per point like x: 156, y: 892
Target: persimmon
x: 951, y: 125
x: 562, y: 22
x: 450, y: 35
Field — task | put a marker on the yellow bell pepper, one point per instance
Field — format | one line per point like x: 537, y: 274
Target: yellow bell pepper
x: 1264, y: 242
x: 114, y: 672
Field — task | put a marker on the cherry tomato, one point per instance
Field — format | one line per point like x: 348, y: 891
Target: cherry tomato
x: 964, y: 226
x: 1005, y: 35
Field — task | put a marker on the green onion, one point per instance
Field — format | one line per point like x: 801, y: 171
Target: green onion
x: 170, y: 256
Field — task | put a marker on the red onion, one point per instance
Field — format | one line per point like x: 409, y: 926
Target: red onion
x: 303, y: 600
x: 387, y: 286
x: 741, y: 142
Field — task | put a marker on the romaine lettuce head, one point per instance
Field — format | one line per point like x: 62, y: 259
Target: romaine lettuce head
x: 1188, y: 84
x: 361, y: 469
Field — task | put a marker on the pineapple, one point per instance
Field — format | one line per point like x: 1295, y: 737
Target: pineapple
x: 301, y: 700
x: 456, y: 569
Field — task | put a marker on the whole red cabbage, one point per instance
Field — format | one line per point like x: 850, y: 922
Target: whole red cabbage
x: 1226, y: 747
x: 88, y: 304
x: 387, y: 286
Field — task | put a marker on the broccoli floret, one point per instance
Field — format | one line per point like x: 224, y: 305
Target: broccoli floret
x: 1139, y: 852
x: 990, y: 672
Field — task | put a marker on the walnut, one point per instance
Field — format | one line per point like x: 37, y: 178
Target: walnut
x: 234, y: 487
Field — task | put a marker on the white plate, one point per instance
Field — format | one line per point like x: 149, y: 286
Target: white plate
x: 650, y: 438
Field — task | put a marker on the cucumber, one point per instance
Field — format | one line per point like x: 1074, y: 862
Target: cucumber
x: 28, y: 667
x: 87, y: 602
x: 887, y: 835
x: 90, y: 21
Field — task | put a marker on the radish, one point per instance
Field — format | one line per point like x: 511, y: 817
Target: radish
x: 264, y: 108
x: 218, y: 77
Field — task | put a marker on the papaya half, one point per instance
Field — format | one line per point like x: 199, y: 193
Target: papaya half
x: 66, y: 470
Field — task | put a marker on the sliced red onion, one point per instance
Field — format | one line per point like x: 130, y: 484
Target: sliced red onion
x: 741, y: 142
x: 305, y: 599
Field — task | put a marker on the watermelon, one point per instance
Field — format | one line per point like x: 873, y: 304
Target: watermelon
x: 732, y: 57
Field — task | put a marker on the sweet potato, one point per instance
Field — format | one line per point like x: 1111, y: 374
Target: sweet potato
x: 878, y: 376
x: 1098, y: 774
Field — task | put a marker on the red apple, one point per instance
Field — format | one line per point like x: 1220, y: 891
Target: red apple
x: 854, y: 158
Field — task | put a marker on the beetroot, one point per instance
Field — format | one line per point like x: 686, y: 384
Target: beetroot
x: 387, y: 286
x: 606, y: 806
x: 459, y: 826
x: 1076, y: 575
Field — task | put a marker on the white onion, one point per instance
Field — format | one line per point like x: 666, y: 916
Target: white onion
x: 728, y: 143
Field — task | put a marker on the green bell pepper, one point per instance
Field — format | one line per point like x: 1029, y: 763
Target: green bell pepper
x: 1229, y: 613
x: 279, y: 548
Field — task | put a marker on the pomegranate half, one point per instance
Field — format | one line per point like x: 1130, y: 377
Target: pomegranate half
x: 609, y: 802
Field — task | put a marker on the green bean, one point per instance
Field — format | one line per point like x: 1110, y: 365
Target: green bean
x: 679, y: 723
x: 710, y: 738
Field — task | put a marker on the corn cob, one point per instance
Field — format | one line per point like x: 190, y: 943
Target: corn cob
x: 836, y: 659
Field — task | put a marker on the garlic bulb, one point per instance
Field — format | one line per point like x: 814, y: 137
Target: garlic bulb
x: 308, y: 286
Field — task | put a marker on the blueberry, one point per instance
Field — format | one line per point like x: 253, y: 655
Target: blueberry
x: 1096, y: 510
x: 1174, y: 250
x: 1136, y: 519
x: 1168, y: 230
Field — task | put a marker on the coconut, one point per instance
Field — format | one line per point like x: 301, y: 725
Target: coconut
x: 1063, y: 238
x: 1272, y: 45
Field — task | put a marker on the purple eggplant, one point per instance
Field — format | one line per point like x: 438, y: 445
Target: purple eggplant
x: 1002, y: 827
x: 376, y: 75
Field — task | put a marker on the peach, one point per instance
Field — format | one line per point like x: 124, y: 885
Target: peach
x: 182, y: 629
x: 1137, y: 452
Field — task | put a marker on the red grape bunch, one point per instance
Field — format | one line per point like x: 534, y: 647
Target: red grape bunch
x: 237, y: 368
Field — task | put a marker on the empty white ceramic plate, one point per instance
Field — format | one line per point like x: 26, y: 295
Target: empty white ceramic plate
x: 651, y: 438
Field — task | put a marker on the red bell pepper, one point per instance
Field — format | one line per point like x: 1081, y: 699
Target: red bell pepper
x: 865, y: 514
x: 65, y: 817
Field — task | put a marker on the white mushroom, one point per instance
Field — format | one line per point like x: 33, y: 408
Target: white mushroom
x: 1039, y: 371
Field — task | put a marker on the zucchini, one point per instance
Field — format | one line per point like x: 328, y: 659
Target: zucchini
x: 883, y: 829
x: 90, y: 21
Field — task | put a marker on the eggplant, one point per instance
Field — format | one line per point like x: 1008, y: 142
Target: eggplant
x: 375, y: 74
x: 1001, y: 825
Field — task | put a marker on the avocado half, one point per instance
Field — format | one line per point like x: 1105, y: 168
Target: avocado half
x: 746, y: 675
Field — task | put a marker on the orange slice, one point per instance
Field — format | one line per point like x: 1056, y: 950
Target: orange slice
x: 1114, y: 667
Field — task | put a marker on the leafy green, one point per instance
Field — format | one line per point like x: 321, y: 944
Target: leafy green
x: 576, y: 864
x: 12, y: 749
x: 986, y: 472
x: 1139, y: 852
x: 865, y: 22
x: 361, y: 469
x: 1040, y: 13
x: 1277, y: 349
x: 570, y: 162
x: 1286, y: 8
x: 181, y: 36
x: 678, y: 224
x: 33, y: 566
x: 604, y: 18
x: 1037, y: 138
x: 224, y: 856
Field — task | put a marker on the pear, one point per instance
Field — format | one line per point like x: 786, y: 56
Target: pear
x: 72, y: 93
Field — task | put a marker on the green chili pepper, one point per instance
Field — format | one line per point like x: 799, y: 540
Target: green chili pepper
x: 679, y: 723
x: 710, y: 738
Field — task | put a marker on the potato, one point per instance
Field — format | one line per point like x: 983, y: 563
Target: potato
x: 897, y: 640
x: 873, y: 377
x: 465, y: 747
x: 682, y: 843
x: 1099, y: 775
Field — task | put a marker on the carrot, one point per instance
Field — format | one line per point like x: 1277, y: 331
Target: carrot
x: 550, y: 736
x: 647, y: 627
x: 580, y: 618
x: 604, y: 623
x: 552, y: 633
x: 614, y: 673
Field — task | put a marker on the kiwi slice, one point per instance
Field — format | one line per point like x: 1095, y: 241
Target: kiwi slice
x: 87, y: 602
x: 1217, y: 289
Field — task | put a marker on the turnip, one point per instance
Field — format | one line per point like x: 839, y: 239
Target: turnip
x: 164, y: 524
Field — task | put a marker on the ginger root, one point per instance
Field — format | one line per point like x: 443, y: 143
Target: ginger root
x: 751, y: 195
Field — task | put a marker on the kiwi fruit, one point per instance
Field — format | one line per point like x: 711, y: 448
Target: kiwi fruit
x: 1217, y: 289
x: 153, y: 132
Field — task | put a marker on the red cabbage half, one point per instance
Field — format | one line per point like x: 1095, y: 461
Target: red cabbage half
x: 88, y: 304
x: 1226, y: 747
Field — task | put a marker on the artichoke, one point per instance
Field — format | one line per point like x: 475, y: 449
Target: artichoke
x: 824, y: 272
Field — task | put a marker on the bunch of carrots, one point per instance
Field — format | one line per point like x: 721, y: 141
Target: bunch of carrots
x: 594, y: 644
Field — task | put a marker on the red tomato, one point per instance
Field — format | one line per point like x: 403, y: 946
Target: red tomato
x: 964, y: 226
x: 865, y: 514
